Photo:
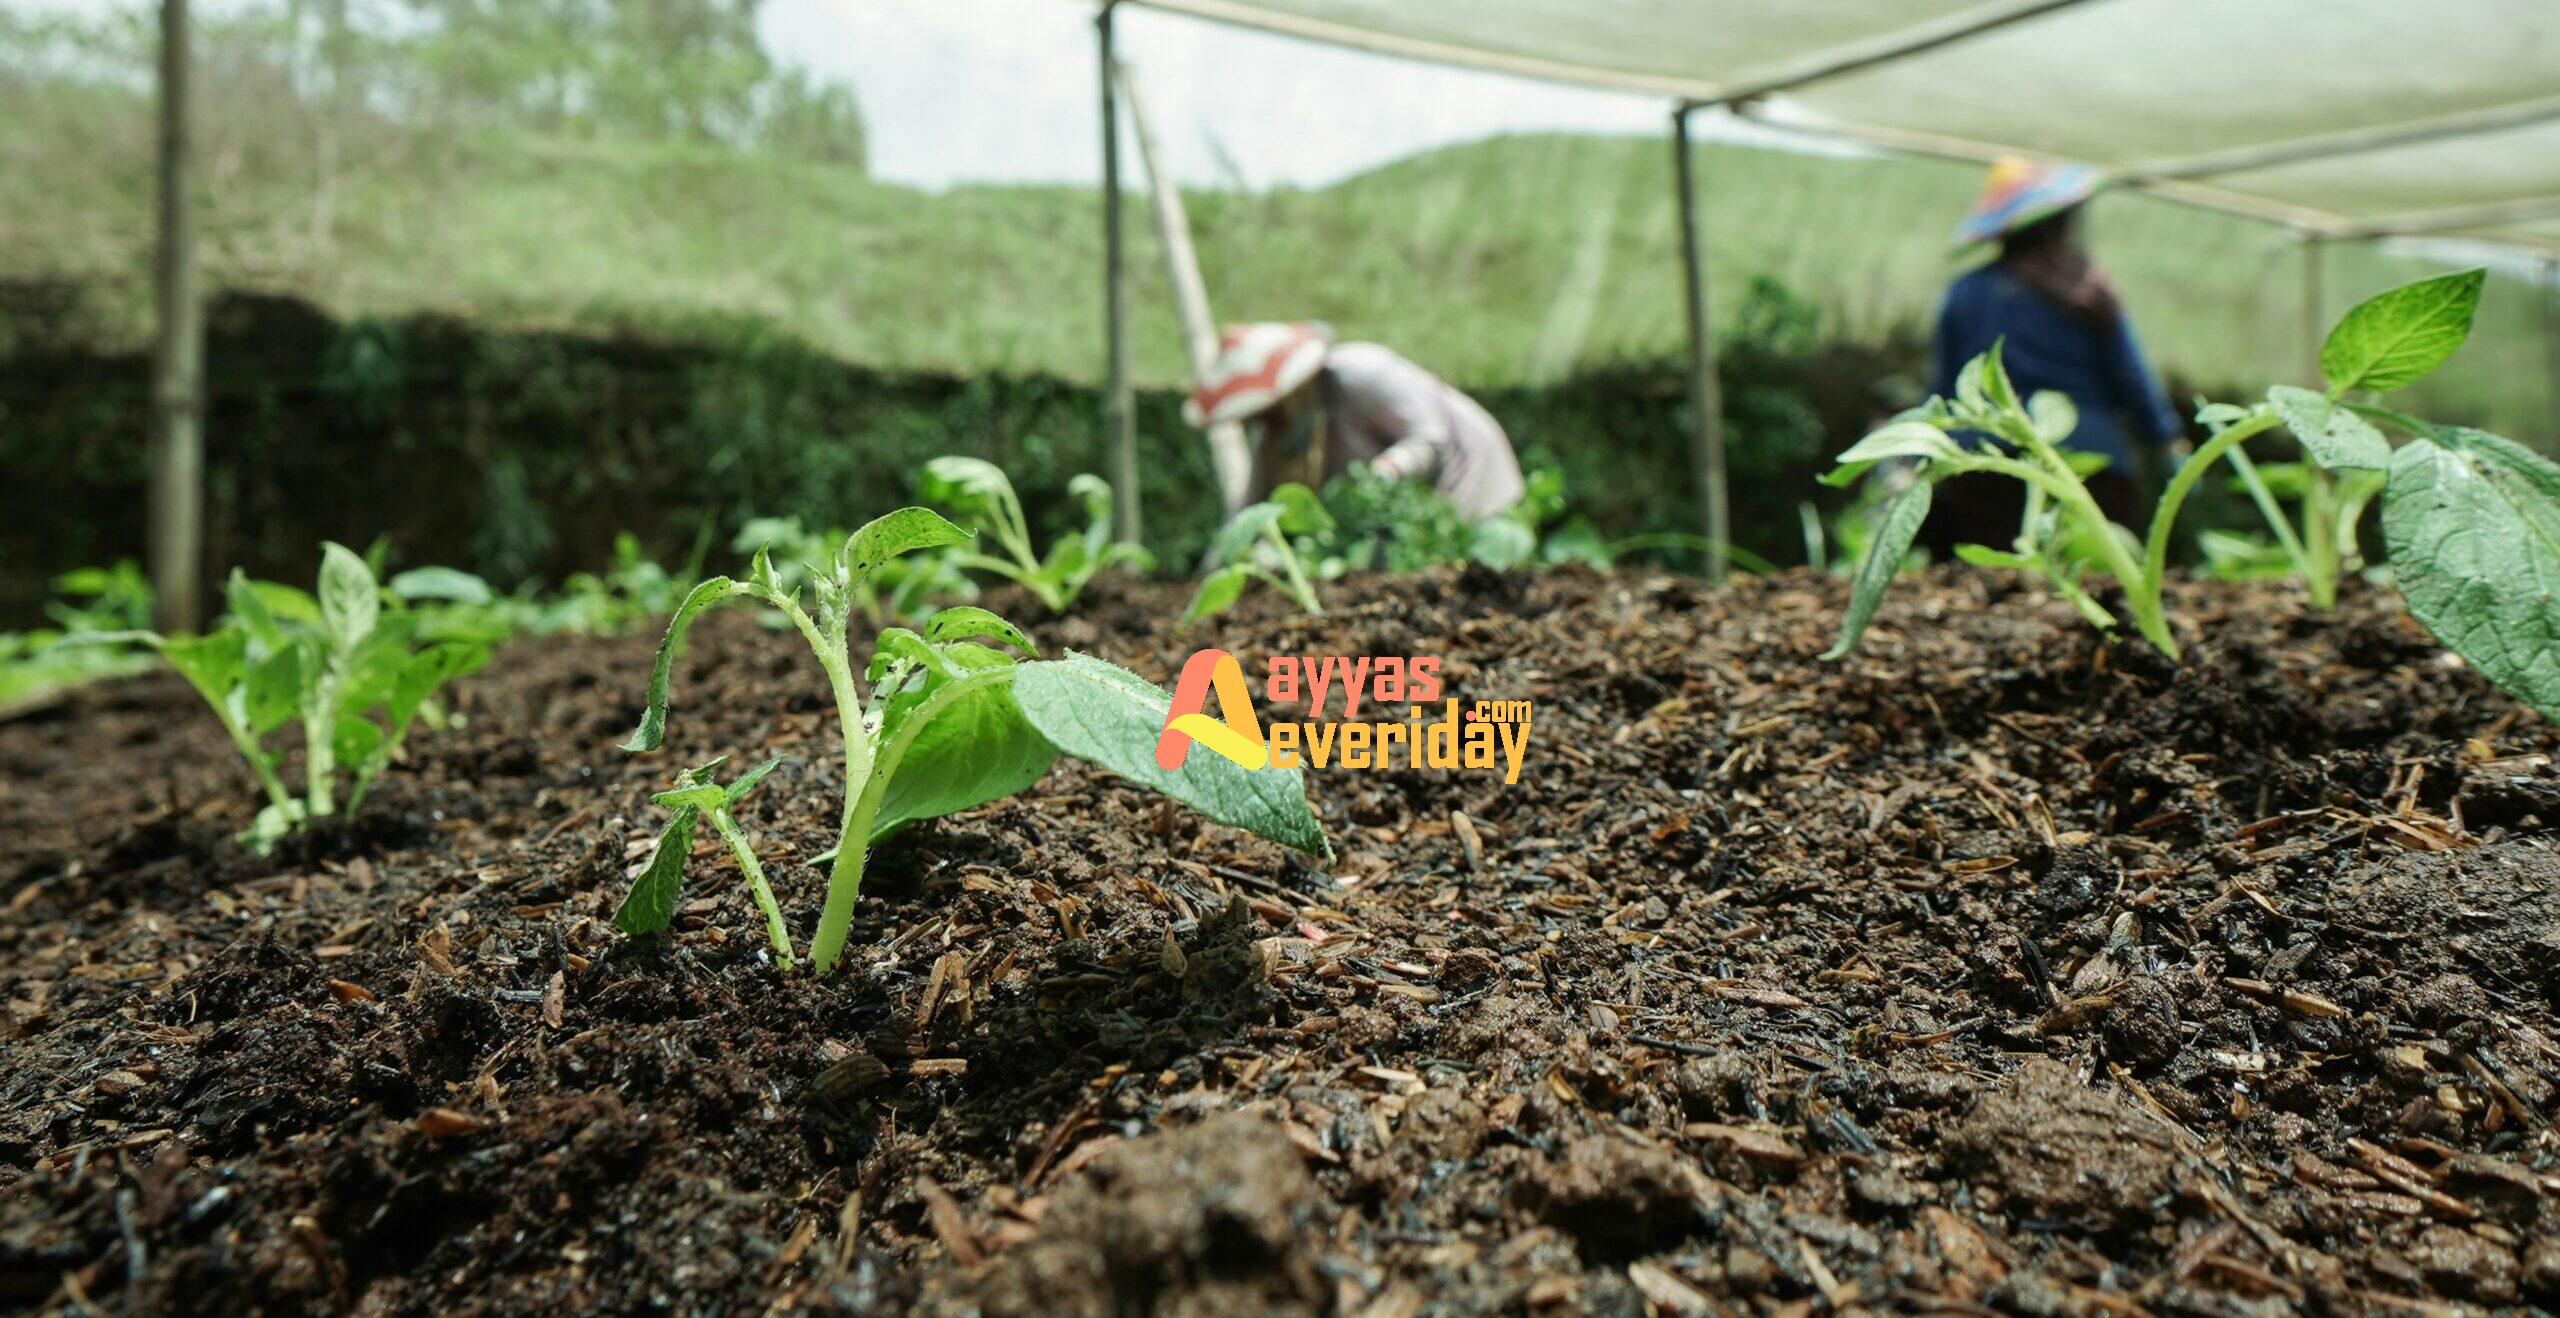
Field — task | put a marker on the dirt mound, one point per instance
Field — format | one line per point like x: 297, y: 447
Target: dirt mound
x: 1999, y: 966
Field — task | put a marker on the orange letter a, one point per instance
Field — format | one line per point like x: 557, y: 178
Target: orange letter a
x: 1236, y: 733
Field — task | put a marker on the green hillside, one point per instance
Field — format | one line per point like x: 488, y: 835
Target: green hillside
x: 1511, y: 260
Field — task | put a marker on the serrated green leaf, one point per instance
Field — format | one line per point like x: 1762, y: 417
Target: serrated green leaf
x: 350, y: 602
x: 1893, y: 537
x: 2473, y: 524
x: 901, y: 532
x: 747, y: 782
x: 1218, y: 592
x: 651, y: 903
x: 971, y: 747
x: 2403, y: 335
x: 652, y: 731
x: 962, y: 622
x: 1112, y: 717
x: 2334, y: 436
x: 1903, y: 439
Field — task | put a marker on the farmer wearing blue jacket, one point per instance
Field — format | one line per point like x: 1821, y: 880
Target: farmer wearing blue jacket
x: 2059, y: 327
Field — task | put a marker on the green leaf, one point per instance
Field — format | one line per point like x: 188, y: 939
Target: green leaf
x: 214, y: 663
x: 250, y: 606
x: 274, y: 691
x: 747, y: 782
x: 441, y: 583
x: 349, y: 600
x: 1499, y: 542
x: 1112, y: 717
x: 2473, y: 522
x: 2335, y: 437
x: 1893, y: 537
x: 1301, y: 512
x: 2053, y: 415
x: 1986, y: 556
x: 1244, y: 530
x: 652, y: 731
x: 2219, y: 416
x: 651, y: 903
x: 2398, y: 337
x: 974, y: 485
x: 1218, y: 592
x: 1095, y: 494
x: 975, y: 748
x: 966, y: 621
x: 887, y: 536
x: 355, y: 741
x: 1903, y: 439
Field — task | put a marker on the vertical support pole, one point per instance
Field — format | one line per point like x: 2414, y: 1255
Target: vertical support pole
x: 2313, y: 323
x: 177, y: 360
x: 1706, y: 402
x: 1119, y: 421
x: 2551, y: 331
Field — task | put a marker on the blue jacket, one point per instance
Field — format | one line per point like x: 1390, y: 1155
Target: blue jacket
x: 2043, y: 347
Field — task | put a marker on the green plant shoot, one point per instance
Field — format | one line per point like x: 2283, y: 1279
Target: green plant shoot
x: 952, y: 722
x: 1255, y: 545
x: 343, y: 665
x: 655, y: 892
x: 2471, y: 519
x: 983, y: 496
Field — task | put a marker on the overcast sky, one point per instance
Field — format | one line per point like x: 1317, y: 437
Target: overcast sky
x: 967, y: 90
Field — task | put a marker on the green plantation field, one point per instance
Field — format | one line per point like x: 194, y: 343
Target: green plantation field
x: 1509, y: 261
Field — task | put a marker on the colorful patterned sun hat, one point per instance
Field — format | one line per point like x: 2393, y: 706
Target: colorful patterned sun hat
x: 1258, y: 364
x: 2020, y: 192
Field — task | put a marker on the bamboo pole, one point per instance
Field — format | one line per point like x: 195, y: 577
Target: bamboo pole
x: 1119, y: 422
x: 1706, y: 402
x: 1229, y: 456
x: 176, y: 509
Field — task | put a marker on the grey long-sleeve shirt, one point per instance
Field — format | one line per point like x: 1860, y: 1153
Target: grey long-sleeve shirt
x: 1407, y: 423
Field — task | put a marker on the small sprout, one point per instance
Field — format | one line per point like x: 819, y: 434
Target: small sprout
x: 655, y: 890
x: 347, y: 666
x: 952, y: 721
x: 983, y: 496
x: 1255, y: 546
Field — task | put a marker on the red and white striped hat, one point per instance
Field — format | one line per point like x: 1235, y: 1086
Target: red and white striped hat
x: 1258, y: 364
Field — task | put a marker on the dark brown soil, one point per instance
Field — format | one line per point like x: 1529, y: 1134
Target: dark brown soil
x: 1998, y: 968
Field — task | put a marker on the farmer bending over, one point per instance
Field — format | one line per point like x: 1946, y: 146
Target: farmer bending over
x: 2059, y: 327
x: 1315, y: 407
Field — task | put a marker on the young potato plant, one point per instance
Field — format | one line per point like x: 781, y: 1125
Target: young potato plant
x: 2471, y: 519
x: 651, y: 903
x: 343, y: 667
x: 984, y: 498
x: 1255, y: 545
x: 951, y: 722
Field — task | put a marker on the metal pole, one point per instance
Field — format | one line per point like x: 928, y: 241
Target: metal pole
x: 1119, y: 424
x: 2313, y: 324
x: 177, y: 360
x: 1706, y: 402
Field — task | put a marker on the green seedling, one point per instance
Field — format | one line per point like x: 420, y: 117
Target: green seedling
x: 1255, y: 545
x: 346, y: 667
x: 2471, y: 519
x: 2320, y: 541
x: 952, y: 722
x: 983, y: 496
x: 903, y: 591
x: 652, y: 900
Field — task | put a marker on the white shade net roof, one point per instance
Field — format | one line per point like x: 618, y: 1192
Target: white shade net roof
x: 2342, y: 117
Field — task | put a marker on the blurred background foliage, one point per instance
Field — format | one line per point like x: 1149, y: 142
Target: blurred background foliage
x: 506, y: 277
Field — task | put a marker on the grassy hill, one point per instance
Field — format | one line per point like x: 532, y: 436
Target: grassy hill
x: 1506, y: 261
